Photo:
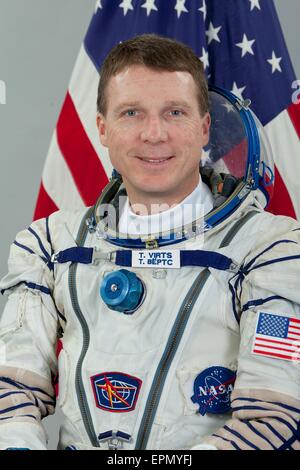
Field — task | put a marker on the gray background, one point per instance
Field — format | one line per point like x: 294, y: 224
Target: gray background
x: 39, y: 42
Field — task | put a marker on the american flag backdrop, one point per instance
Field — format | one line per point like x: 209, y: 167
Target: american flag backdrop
x: 241, y: 45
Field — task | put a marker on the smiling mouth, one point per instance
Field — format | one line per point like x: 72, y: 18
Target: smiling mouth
x: 155, y: 161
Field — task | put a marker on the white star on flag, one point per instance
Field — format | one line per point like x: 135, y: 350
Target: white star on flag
x: 204, y: 58
x: 150, y: 6
x: 180, y: 7
x: 238, y: 91
x: 275, y: 62
x: 98, y: 6
x: 212, y: 33
x: 126, y: 5
x: 203, y: 9
x: 246, y: 45
x: 229, y: 107
x: 254, y: 4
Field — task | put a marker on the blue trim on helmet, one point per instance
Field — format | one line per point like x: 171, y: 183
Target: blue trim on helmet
x: 227, y: 210
x: 172, y: 239
x: 137, y: 243
x: 267, y: 183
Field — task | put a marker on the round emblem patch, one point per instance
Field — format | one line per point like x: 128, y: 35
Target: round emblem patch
x: 212, y: 390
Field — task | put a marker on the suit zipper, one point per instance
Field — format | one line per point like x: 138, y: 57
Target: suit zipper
x: 79, y: 386
x: 168, y: 355
x: 174, y: 340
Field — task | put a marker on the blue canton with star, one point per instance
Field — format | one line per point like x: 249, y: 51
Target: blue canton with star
x: 234, y: 39
x: 272, y: 325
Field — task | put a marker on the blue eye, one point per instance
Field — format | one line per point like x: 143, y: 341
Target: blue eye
x: 131, y: 112
x: 176, y: 112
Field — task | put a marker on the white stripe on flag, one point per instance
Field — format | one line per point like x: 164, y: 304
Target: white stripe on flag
x: 286, y: 151
x: 83, y: 90
x: 283, y: 342
x: 294, y: 330
x: 283, y: 355
x: 267, y: 348
x: 272, y: 351
x: 293, y: 336
x: 295, y: 323
x: 58, y: 181
x: 268, y: 345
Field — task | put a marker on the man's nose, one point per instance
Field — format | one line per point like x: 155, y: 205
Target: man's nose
x: 154, y: 130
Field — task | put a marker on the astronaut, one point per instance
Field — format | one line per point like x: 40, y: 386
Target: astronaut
x: 175, y: 297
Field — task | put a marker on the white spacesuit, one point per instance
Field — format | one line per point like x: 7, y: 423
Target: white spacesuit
x: 187, y: 340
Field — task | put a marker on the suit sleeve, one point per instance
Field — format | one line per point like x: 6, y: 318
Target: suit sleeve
x: 266, y: 397
x: 28, y: 335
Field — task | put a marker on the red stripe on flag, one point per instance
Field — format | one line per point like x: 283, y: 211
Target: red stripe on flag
x: 261, y: 345
x: 294, y: 113
x: 79, y: 154
x: 291, y: 357
x: 282, y: 343
x: 281, y: 203
x: 44, y: 205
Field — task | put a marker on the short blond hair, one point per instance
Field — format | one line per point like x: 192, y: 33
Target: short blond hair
x: 156, y: 53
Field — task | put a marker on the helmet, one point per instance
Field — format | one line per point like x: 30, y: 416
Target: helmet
x: 237, y: 160
x: 238, y: 151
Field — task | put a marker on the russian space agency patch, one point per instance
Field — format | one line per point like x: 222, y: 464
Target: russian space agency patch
x: 115, y: 391
x: 212, y: 390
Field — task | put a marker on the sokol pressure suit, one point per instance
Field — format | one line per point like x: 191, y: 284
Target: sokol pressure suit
x: 189, y: 339
x: 187, y: 366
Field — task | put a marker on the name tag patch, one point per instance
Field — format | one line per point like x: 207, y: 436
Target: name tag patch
x: 156, y: 259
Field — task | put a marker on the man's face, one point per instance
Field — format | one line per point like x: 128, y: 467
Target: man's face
x: 154, y: 132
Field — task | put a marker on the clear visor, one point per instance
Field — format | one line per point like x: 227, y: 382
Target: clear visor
x: 227, y: 150
x: 238, y: 144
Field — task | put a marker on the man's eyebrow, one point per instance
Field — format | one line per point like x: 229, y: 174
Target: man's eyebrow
x: 125, y: 105
x: 178, y: 103
x: 166, y: 104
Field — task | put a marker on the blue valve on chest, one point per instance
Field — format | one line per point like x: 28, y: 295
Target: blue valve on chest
x: 122, y: 291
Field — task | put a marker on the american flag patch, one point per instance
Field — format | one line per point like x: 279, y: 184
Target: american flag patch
x: 277, y: 336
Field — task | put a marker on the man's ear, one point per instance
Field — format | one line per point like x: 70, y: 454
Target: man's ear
x: 102, y: 129
x: 205, y: 128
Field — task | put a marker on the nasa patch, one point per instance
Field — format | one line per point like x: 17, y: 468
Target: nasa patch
x: 115, y: 391
x: 212, y: 390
